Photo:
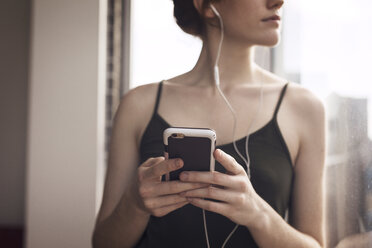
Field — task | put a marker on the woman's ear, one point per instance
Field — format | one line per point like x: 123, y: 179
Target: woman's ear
x: 207, y: 12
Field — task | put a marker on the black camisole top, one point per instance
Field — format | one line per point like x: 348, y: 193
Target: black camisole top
x: 271, y: 176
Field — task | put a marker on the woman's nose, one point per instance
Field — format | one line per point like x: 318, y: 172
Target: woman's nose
x: 275, y: 4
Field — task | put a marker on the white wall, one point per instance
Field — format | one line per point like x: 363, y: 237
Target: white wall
x: 65, y: 155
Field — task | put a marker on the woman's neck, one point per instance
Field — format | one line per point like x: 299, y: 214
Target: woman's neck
x: 236, y: 65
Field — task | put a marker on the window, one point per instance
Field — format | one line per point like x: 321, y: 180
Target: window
x: 326, y: 48
x: 159, y: 48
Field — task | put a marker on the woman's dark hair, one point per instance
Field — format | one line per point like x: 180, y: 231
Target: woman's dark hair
x: 188, y: 18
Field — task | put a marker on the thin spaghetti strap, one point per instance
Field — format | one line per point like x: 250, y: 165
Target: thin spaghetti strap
x: 158, y: 97
x: 280, y: 99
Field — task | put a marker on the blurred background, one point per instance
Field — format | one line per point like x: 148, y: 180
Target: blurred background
x: 64, y: 66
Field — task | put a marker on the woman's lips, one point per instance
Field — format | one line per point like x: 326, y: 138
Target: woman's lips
x: 272, y: 18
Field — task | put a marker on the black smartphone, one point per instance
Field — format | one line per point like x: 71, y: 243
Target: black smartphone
x: 195, y: 146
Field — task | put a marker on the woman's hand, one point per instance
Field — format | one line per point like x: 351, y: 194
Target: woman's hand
x: 155, y: 197
x: 240, y: 202
x: 360, y: 240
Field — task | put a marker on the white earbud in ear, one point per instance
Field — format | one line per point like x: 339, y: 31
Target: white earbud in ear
x: 216, y: 71
x: 215, y: 10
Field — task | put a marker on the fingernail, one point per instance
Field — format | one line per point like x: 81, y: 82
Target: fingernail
x: 218, y: 151
x: 184, y: 175
x: 179, y: 163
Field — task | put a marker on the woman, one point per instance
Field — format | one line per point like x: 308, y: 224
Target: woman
x: 286, y: 146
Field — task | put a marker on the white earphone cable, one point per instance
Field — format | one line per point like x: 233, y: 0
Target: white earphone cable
x: 217, y: 82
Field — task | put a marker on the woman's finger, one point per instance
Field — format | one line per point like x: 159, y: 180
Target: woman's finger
x: 163, y: 201
x: 162, y: 168
x: 167, y: 188
x: 209, y: 177
x: 216, y: 194
x: 228, y: 162
x: 160, y: 212
x: 217, y: 207
x: 175, y: 187
x: 152, y: 161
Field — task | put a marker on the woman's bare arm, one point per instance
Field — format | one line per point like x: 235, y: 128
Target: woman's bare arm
x: 306, y: 226
x: 134, y: 192
x: 360, y: 240
x: 112, y: 225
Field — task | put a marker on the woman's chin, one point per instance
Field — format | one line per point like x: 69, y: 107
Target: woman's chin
x: 271, y: 41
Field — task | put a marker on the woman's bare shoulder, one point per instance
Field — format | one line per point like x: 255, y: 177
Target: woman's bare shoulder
x: 304, y: 100
x: 308, y: 108
x: 146, y: 93
x: 137, y: 105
